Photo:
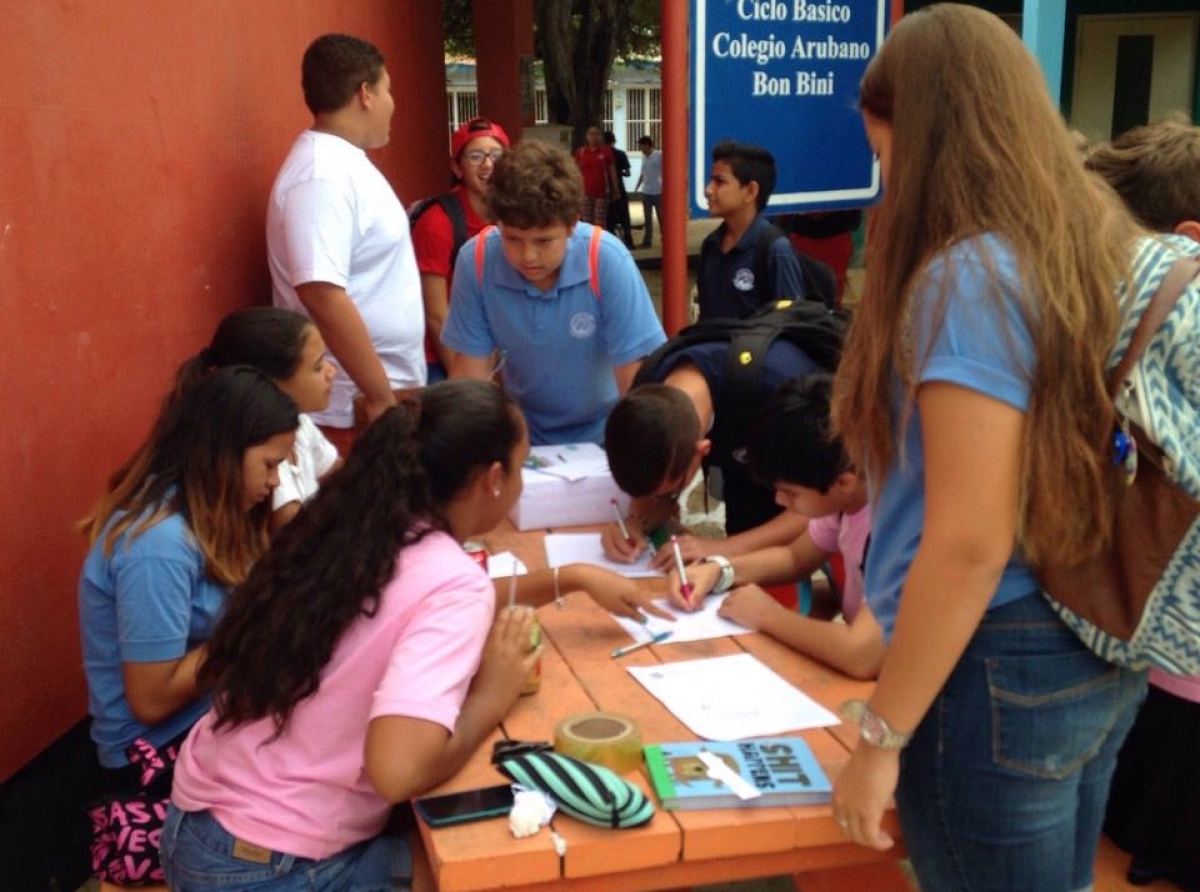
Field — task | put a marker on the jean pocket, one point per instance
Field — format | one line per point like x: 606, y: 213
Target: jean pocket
x: 1051, y: 714
x: 201, y: 858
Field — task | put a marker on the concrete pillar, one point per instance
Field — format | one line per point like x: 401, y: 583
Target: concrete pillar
x: 503, y: 46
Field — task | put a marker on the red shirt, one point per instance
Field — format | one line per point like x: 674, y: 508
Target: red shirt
x: 433, y: 241
x: 593, y: 164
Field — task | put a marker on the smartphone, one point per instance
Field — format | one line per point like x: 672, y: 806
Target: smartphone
x: 465, y: 805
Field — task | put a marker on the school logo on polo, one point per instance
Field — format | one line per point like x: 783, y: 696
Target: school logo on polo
x: 583, y: 325
x: 743, y: 280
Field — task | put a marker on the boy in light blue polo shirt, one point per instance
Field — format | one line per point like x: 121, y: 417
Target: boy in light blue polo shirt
x: 561, y: 302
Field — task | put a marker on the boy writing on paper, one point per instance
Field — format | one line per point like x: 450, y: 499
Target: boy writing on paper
x: 791, y: 450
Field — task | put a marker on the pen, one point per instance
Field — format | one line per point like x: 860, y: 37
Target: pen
x: 621, y: 522
x: 685, y: 587
x: 656, y: 638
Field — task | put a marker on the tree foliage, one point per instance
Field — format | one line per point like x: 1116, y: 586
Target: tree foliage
x: 577, y: 42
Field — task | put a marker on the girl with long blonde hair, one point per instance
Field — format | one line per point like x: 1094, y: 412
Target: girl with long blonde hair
x: 972, y: 393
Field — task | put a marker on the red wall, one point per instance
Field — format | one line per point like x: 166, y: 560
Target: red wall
x: 138, y: 142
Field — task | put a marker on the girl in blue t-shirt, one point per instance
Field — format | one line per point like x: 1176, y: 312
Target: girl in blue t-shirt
x: 971, y: 392
x: 180, y: 524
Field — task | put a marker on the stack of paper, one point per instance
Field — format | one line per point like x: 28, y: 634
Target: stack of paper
x: 565, y: 486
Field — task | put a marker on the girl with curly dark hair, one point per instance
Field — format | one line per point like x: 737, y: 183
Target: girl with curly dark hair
x: 354, y: 668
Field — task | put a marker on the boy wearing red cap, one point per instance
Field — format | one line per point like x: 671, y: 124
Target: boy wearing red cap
x: 442, y: 224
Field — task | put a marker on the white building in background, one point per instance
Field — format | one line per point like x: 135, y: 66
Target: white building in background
x: 632, y: 104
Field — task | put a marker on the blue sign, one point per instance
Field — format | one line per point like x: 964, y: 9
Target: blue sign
x: 784, y: 74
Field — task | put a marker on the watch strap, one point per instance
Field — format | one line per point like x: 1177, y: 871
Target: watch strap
x: 873, y: 728
x: 725, y: 580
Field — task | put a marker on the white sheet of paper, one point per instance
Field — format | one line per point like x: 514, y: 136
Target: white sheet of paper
x: 729, y: 698
x: 688, y: 625
x: 572, y: 461
x: 501, y: 564
x: 585, y: 548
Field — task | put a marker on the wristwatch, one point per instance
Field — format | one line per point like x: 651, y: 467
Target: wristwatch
x: 873, y: 729
x: 725, y: 580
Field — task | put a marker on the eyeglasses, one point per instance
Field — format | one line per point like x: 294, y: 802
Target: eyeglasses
x: 476, y: 156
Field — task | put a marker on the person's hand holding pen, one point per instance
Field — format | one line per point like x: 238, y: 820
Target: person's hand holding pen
x: 701, y: 577
x: 623, y: 541
x: 693, y: 548
x: 685, y: 587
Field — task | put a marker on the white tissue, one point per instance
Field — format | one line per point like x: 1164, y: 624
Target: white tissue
x: 531, y: 811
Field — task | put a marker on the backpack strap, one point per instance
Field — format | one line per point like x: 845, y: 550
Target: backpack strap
x: 593, y: 258
x: 1174, y: 283
x: 448, y: 202
x: 594, y: 261
x: 767, y: 236
x: 481, y: 253
x: 458, y: 221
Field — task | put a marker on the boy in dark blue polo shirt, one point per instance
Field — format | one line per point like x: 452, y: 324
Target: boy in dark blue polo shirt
x: 740, y: 183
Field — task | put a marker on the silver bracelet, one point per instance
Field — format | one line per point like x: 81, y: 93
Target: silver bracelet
x: 558, y: 599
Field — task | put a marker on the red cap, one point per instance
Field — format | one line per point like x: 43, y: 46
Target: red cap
x: 474, y: 129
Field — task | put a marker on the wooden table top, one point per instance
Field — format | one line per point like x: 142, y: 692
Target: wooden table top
x: 675, y: 849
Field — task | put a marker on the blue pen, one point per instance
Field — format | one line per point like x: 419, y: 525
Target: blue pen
x: 656, y: 638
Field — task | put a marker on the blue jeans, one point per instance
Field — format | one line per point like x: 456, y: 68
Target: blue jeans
x: 1003, y: 785
x: 198, y: 856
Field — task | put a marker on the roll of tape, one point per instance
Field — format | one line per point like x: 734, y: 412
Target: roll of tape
x: 604, y: 738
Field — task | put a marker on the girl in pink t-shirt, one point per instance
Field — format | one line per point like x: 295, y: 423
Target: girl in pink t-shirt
x: 355, y: 669
x: 790, y: 448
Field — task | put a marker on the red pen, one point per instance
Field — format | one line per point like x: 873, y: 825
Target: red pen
x: 685, y: 587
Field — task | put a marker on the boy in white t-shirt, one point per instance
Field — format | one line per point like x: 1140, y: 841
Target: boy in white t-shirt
x: 790, y: 449
x: 338, y: 243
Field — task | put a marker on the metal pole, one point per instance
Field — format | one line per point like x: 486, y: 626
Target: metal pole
x: 674, y: 218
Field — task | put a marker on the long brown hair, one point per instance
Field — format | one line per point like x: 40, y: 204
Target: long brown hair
x: 978, y: 147
x: 192, y: 463
x: 330, y: 565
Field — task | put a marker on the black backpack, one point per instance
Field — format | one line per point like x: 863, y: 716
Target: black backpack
x: 819, y: 282
x: 816, y: 329
x: 454, y: 210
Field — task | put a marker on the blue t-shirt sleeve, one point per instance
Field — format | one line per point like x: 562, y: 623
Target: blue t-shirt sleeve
x: 631, y: 327
x: 981, y: 343
x: 156, y: 579
x: 787, y: 279
x: 466, y: 328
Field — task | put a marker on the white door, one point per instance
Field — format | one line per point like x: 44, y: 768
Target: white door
x: 1156, y: 58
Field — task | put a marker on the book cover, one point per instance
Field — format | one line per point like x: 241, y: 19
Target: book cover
x: 782, y: 770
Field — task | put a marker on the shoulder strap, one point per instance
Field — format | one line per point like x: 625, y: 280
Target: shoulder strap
x: 481, y: 253
x: 458, y: 221
x: 767, y: 236
x: 1174, y: 283
x: 448, y: 202
x: 594, y: 261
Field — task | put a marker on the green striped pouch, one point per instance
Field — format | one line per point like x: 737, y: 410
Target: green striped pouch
x: 591, y: 793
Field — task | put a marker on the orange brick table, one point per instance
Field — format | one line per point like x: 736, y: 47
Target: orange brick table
x: 676, y: 849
